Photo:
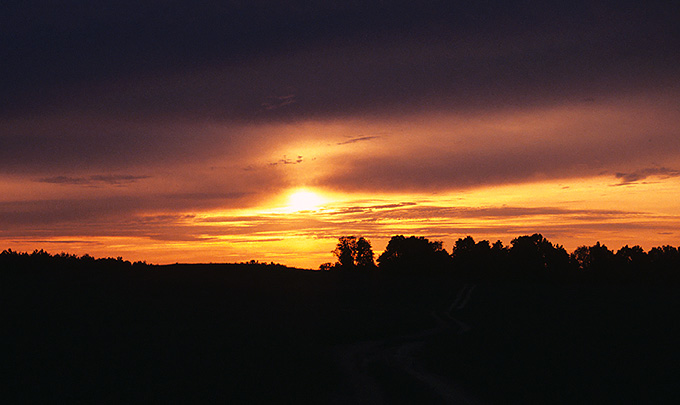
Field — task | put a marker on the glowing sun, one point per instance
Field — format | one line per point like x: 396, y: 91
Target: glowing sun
x: 304, y: 200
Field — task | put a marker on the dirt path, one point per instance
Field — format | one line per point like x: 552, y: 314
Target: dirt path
x: 400, y: 354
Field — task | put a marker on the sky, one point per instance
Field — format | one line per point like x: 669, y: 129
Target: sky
x: 183, y: 131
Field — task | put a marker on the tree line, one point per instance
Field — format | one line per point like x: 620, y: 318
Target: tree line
x: 40, y: 259
x: 528, y: 256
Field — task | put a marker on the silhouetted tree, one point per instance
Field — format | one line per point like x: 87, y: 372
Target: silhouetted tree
x: 353, y: 253
x: 629, y: 255
x: 344, y: 251
x: 632, y: 261
x: 363, y: 255
x: 471, y: 259
x: 499, y: 253
x: 533, y: 255
x: 597, y: 258
x: 464, y: 250
x: 665, y: 261
x: 413, y: 255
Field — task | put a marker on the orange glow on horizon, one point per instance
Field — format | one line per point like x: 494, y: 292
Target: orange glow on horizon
x: 309, y: 182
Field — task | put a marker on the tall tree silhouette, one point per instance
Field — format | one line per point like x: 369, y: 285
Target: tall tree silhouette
x: 353, y: 253
x: 363, y: 254
x: 344, y: 251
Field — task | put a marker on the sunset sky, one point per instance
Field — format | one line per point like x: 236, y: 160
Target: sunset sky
x: 183, y: 131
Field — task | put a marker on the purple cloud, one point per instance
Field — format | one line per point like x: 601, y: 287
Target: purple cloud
x: 642, y: 174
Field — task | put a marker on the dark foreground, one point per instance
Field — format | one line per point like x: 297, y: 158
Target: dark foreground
x: 243, y: 334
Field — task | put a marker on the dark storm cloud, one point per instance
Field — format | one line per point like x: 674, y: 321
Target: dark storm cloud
x: 126, y: 85
x: 99, y: 143
x: 340, y: 58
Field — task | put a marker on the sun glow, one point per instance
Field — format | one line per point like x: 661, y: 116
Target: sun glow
x: 304, y: 200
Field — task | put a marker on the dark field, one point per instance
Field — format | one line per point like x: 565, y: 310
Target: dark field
x: 249, y: 334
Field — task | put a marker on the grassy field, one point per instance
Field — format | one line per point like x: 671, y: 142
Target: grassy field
x: 249, y: 334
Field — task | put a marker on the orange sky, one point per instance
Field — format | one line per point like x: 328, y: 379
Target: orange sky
x: 185, y: 143
x: 575, y: 173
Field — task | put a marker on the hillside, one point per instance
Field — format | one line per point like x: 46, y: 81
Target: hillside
x: 253, y: 333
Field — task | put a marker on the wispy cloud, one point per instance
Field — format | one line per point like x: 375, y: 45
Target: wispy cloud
x: 94, y: 180
x: 208, y: 196
x: 642, y: 174
x: 276, y: 102
x: 424, y: 212
x: 370, y: 208
x: 359, y: 139
x: 287, y: 161
x: 61, y: 242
